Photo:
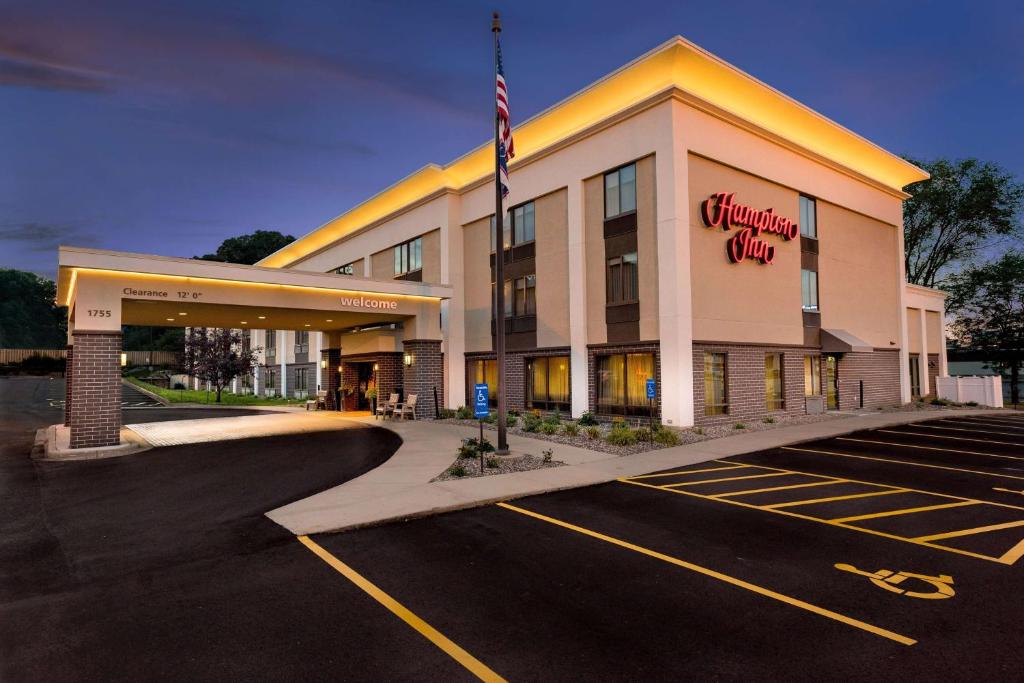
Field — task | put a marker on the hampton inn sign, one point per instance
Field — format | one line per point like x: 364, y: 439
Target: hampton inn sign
x: 721, y: 209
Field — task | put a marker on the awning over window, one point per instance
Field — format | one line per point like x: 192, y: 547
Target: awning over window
x: 841, y: 341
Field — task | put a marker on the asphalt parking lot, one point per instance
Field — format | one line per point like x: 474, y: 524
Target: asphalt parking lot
x: 886, y: 554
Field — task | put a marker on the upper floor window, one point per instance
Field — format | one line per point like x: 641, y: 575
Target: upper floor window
x: 518, y: 226
x: 808, y: 217
x: 246, y: 341
x: 347, y: 269
x: 409, y: 256
x: 622, y: 279
x: 525, y: 295
x: 620, y: 191
x: 302, y: 342
x: 270, y: 336
x: 809, y: 289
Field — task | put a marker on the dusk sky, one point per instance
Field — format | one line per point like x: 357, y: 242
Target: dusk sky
x: 165, y: 127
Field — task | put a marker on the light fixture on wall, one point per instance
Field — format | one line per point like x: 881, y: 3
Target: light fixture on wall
x: 323, y: 363
x: 340, y: 368
x: 407, y: 359
x: 124, y: 359
x: 375, y: 367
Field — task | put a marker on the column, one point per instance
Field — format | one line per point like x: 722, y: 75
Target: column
x: 578, y: 377
x: 422, y: 374
x: 284, y: 366
x: 96, y: 387
x: 922, y: 361
x: 331, y: 377
x: 316, y: 354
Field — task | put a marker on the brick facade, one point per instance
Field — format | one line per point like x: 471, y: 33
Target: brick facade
x: 745, y: 386
x: 596, y: 350
x: 68, y: 364
x: 880, y: 372
x: 515, y: 372
x: 96, y: 386
x: 424, y: 375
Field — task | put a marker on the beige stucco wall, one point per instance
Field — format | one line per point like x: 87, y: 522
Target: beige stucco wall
x: 371, y: 341
x: 933, y: 328
x: 647, y: 247
x: 431, y: 257
x: 747, y: 301
x: 859, y: 275
x: 382, y: 264
x: 914, y: 330
x: 477, y: 274
x: 552, y: 268
x: 593, y: 244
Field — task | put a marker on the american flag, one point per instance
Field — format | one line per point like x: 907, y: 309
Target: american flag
x: 506, y: 148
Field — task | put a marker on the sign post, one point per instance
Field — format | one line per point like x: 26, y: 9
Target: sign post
x: 652, y: 393
x: 481, y: 409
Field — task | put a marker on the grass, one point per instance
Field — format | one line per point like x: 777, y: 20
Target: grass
x: 226, y: 399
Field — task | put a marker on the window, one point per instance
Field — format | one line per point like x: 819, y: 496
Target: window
x: 518, y: 226
x: 716, y: 399
x: 270, y: 379
x: 270, y: 336
x: 622, y: 383
x: 547, y: 383
x: 809, y: 289
x: 808, y: 217
x: 300, y: 378
x: 526, y: 295
x: 774, y: 396
x: 831, y: 383
x: 622, y: 279
x: 246, y: 341
x: 347, y: 269
x: 302, y: 342
x: 409, y: 256
x: 620, y: 191
x: 915, y: 375
x: 812, y: 375
x: 485, y: 372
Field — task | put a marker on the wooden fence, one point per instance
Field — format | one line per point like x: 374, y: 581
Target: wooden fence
x: 8, y: 356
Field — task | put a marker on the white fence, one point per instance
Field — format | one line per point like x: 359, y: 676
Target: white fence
x: 8, y: 356
x: 985, y: 391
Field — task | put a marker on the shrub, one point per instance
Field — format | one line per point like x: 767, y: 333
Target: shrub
x: 446, y: 413
x: 480, y: 445
x: 939, y: 402
x: 667, y: 437
x: 972, y: 404
x: 492, y: 463
x: 464, y: 413
x: 698, y: 430
x: 618, y: 422
x: 179, y: 386
x: 491, y: 418
x: 549, y: 428
x: 513, y: 412
x: 531, y: 423
x: 621, y: 437
x: 644, y: 434
x: 467, y: 451
x: 511, y: 418
x: 457, y: 471
x: 739, y: 425
x: 546, y: 454
x: 587, y: 420
x: 593, y: 432
x: 769, y: 420
x: 570, y: 429
x: 553, y: 419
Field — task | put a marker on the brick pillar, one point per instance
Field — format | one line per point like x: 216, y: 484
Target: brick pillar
x: 67, y: 385
x: 331, y: 377
x: 424, y: 374
x: 389, y: 375
x: 350, y: 380
x: 96, y: 387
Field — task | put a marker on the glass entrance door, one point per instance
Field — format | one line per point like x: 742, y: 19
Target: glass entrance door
x: 915, y: 375
x: 831, y: 384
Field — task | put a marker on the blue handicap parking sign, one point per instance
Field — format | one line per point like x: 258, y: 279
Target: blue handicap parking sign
x: 481, y: 408
x: 651, y: 390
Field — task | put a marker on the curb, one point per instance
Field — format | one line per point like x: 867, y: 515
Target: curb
x: 47, y: 447
x: 156, y: 397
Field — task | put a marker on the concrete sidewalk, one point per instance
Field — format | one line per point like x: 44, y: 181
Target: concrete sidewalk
x: 178, y: 432
x: 401, y: 487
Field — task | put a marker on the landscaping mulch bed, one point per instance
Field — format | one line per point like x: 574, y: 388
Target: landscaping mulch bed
x: 506, y: 465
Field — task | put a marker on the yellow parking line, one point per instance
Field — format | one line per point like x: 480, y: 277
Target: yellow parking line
x: 929, y: 448
x: 983, y: 424
x: 715, y: 481
x: 779, y: 488
x: 672, y: 474
x: 970, y: 532
x: 905, y: 511
x: 740, y: 583
x: 1013, y: 554
x: 797, y: 515
x: 902, y: 462
x: 952, y: 438
x: 471, y: 663
x: 851, y: 496
x: 961, y: 429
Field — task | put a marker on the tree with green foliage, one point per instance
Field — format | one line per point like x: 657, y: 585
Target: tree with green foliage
x: 217, y: 356
x: 248, y: 249
x: 987, y: 305
x: 965, y: 207
x: 29, y: 315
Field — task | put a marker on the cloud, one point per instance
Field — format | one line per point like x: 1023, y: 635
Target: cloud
x: 44, y: 237
x: 48, y: 77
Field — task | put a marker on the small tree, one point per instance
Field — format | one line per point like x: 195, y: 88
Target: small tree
x: 217, y: 356
x: 987, y: 302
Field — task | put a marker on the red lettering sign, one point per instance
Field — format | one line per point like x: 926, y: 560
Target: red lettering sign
x: 721, y: 209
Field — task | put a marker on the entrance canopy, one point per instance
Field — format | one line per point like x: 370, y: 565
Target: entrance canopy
x: 105, y: 289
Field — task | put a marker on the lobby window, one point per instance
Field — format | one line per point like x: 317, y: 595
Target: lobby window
x: 716, y: 398
x: 774, y: 395
x: 302, y: 342
x: 812, y: 375
x: 409, y: 257
x: 347, y: 269
x: 809, y: 289
x: 485, y: 372
x: 622, y: 383
x: 622, y: 276
x: 547, y: 383
x: 301, y: 377
x: 620, y: 191
x: 808, y: 217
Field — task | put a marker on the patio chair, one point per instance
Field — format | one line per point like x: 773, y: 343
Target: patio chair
x: 407, y: 408
x: 321, y: 399
x: 385, y: 407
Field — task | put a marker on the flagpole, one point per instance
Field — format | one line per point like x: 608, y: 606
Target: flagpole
x: 499, y: 260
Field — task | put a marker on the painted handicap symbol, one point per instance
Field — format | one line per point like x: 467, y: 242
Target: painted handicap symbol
x: 891, y: 581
